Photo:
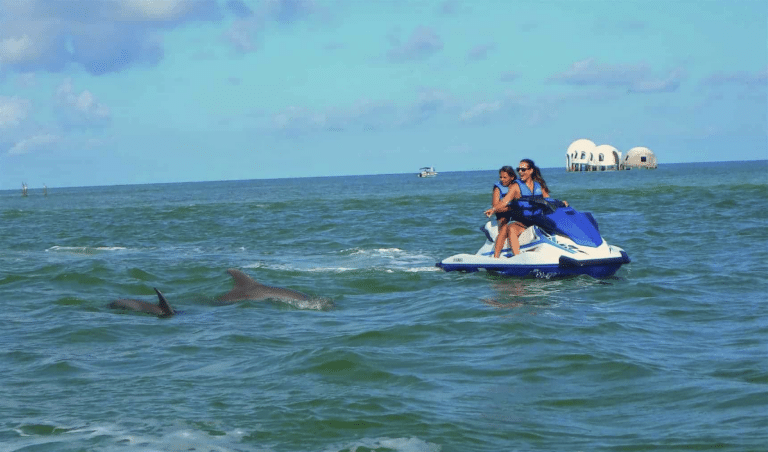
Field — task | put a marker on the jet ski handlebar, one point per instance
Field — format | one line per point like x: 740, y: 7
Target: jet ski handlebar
x: 548, y: 204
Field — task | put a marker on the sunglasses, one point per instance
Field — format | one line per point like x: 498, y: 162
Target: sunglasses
x: 520, y: 170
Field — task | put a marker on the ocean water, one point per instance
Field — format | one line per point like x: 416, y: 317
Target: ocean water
x: 390, y: 353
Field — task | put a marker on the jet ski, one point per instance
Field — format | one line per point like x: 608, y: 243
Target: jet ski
x: 560, y: 242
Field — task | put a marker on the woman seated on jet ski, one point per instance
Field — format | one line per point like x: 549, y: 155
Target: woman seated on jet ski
x: 531, y: 183
x: 500, y: 189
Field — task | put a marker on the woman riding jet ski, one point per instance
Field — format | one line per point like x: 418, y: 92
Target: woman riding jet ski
x: 561, y: 242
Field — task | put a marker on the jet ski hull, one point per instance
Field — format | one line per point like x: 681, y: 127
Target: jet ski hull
x: 564, y: 267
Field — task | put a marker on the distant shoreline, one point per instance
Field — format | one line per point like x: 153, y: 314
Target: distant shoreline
x: 34, y: 190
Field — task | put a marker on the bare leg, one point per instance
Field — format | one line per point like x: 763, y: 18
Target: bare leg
x: 501, y: 239
x: 514, y: 231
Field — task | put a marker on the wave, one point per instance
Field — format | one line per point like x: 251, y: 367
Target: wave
x: 207, y: 435
x: 394, y: 444
x: 203, y: 436
x: 386, y: 260
x: 85, y: 249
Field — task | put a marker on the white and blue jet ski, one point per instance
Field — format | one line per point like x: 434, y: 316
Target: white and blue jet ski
x: 561, y: 242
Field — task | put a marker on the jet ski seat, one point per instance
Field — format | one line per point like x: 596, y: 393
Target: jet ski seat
x: 528, y: 236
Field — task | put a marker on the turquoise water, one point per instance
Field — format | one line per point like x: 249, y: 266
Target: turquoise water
x: 390, y: 354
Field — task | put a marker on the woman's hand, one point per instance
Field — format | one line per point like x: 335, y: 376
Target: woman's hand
x: 489, y: 212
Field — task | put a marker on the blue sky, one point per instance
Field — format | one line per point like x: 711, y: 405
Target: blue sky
x: 103, y: 92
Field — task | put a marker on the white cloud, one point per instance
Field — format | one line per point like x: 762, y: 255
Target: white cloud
x: 362, y: 115
x: 160, y: 10
x: 666, y: 85
x: 448, y: 7
x: 509, y: 76
x: 242, y: 34
x: 153, y: 9
x: 481, y: 110
x: 26, y: 80
x: 13, y: 111
x: 744, y: 78
x: 429, y: 104
x: 14, y: 50
x: 635, y: 78
x: 296, y: 119
x: 239, y: 8
x: 286, y: 11
x: 480, y: 52
x: 422, y: 44
x: 34, y: 144
x: 101, y: 35
x: 28, y: 44
x: 80, y: 108
x: 589, y: 72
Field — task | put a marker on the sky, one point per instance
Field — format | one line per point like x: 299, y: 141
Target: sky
x: 112, y: 92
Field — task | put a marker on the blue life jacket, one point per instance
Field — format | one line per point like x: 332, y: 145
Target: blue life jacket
x: 525, y: 191
x: 502, y: 190
x: 522, y: 210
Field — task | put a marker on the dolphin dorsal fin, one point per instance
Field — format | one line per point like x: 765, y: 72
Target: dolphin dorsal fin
x: 241, y: 279
x: 167, y: 310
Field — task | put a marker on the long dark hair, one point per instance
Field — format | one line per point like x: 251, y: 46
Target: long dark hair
x: 509, y: 170
x: 536, y: 174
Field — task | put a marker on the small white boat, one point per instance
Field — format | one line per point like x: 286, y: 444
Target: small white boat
x: 427, y: 171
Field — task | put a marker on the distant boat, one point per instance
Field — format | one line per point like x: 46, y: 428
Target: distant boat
x: 427, y: 171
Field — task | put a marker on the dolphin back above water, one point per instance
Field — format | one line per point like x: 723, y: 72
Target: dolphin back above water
x: 162, y: 309
x: 246, y: 288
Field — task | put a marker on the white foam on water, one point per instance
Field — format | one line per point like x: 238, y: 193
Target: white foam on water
x: 388, y: 260
x: 353, y: 251
x: 396, y: 444
x: 107, y: 437
x: 313, y: 304
x: 424, y: 269
x: 111, y: 436
x: 332, y: 269
x: 84, y: 249
x: 384, y: 260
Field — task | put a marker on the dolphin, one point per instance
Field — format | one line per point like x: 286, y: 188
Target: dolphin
x: 248, y: 289
x: 162, y: 309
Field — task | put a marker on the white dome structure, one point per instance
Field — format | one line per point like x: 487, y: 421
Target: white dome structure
x: 585, y: 155
x: 640, y: 157
x: 606, y: 157
x: 579, y: 155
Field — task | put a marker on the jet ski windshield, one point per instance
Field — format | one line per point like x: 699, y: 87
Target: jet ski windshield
x: 555, y: 217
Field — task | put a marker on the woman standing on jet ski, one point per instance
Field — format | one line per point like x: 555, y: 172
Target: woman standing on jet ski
x: 531, y: 183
